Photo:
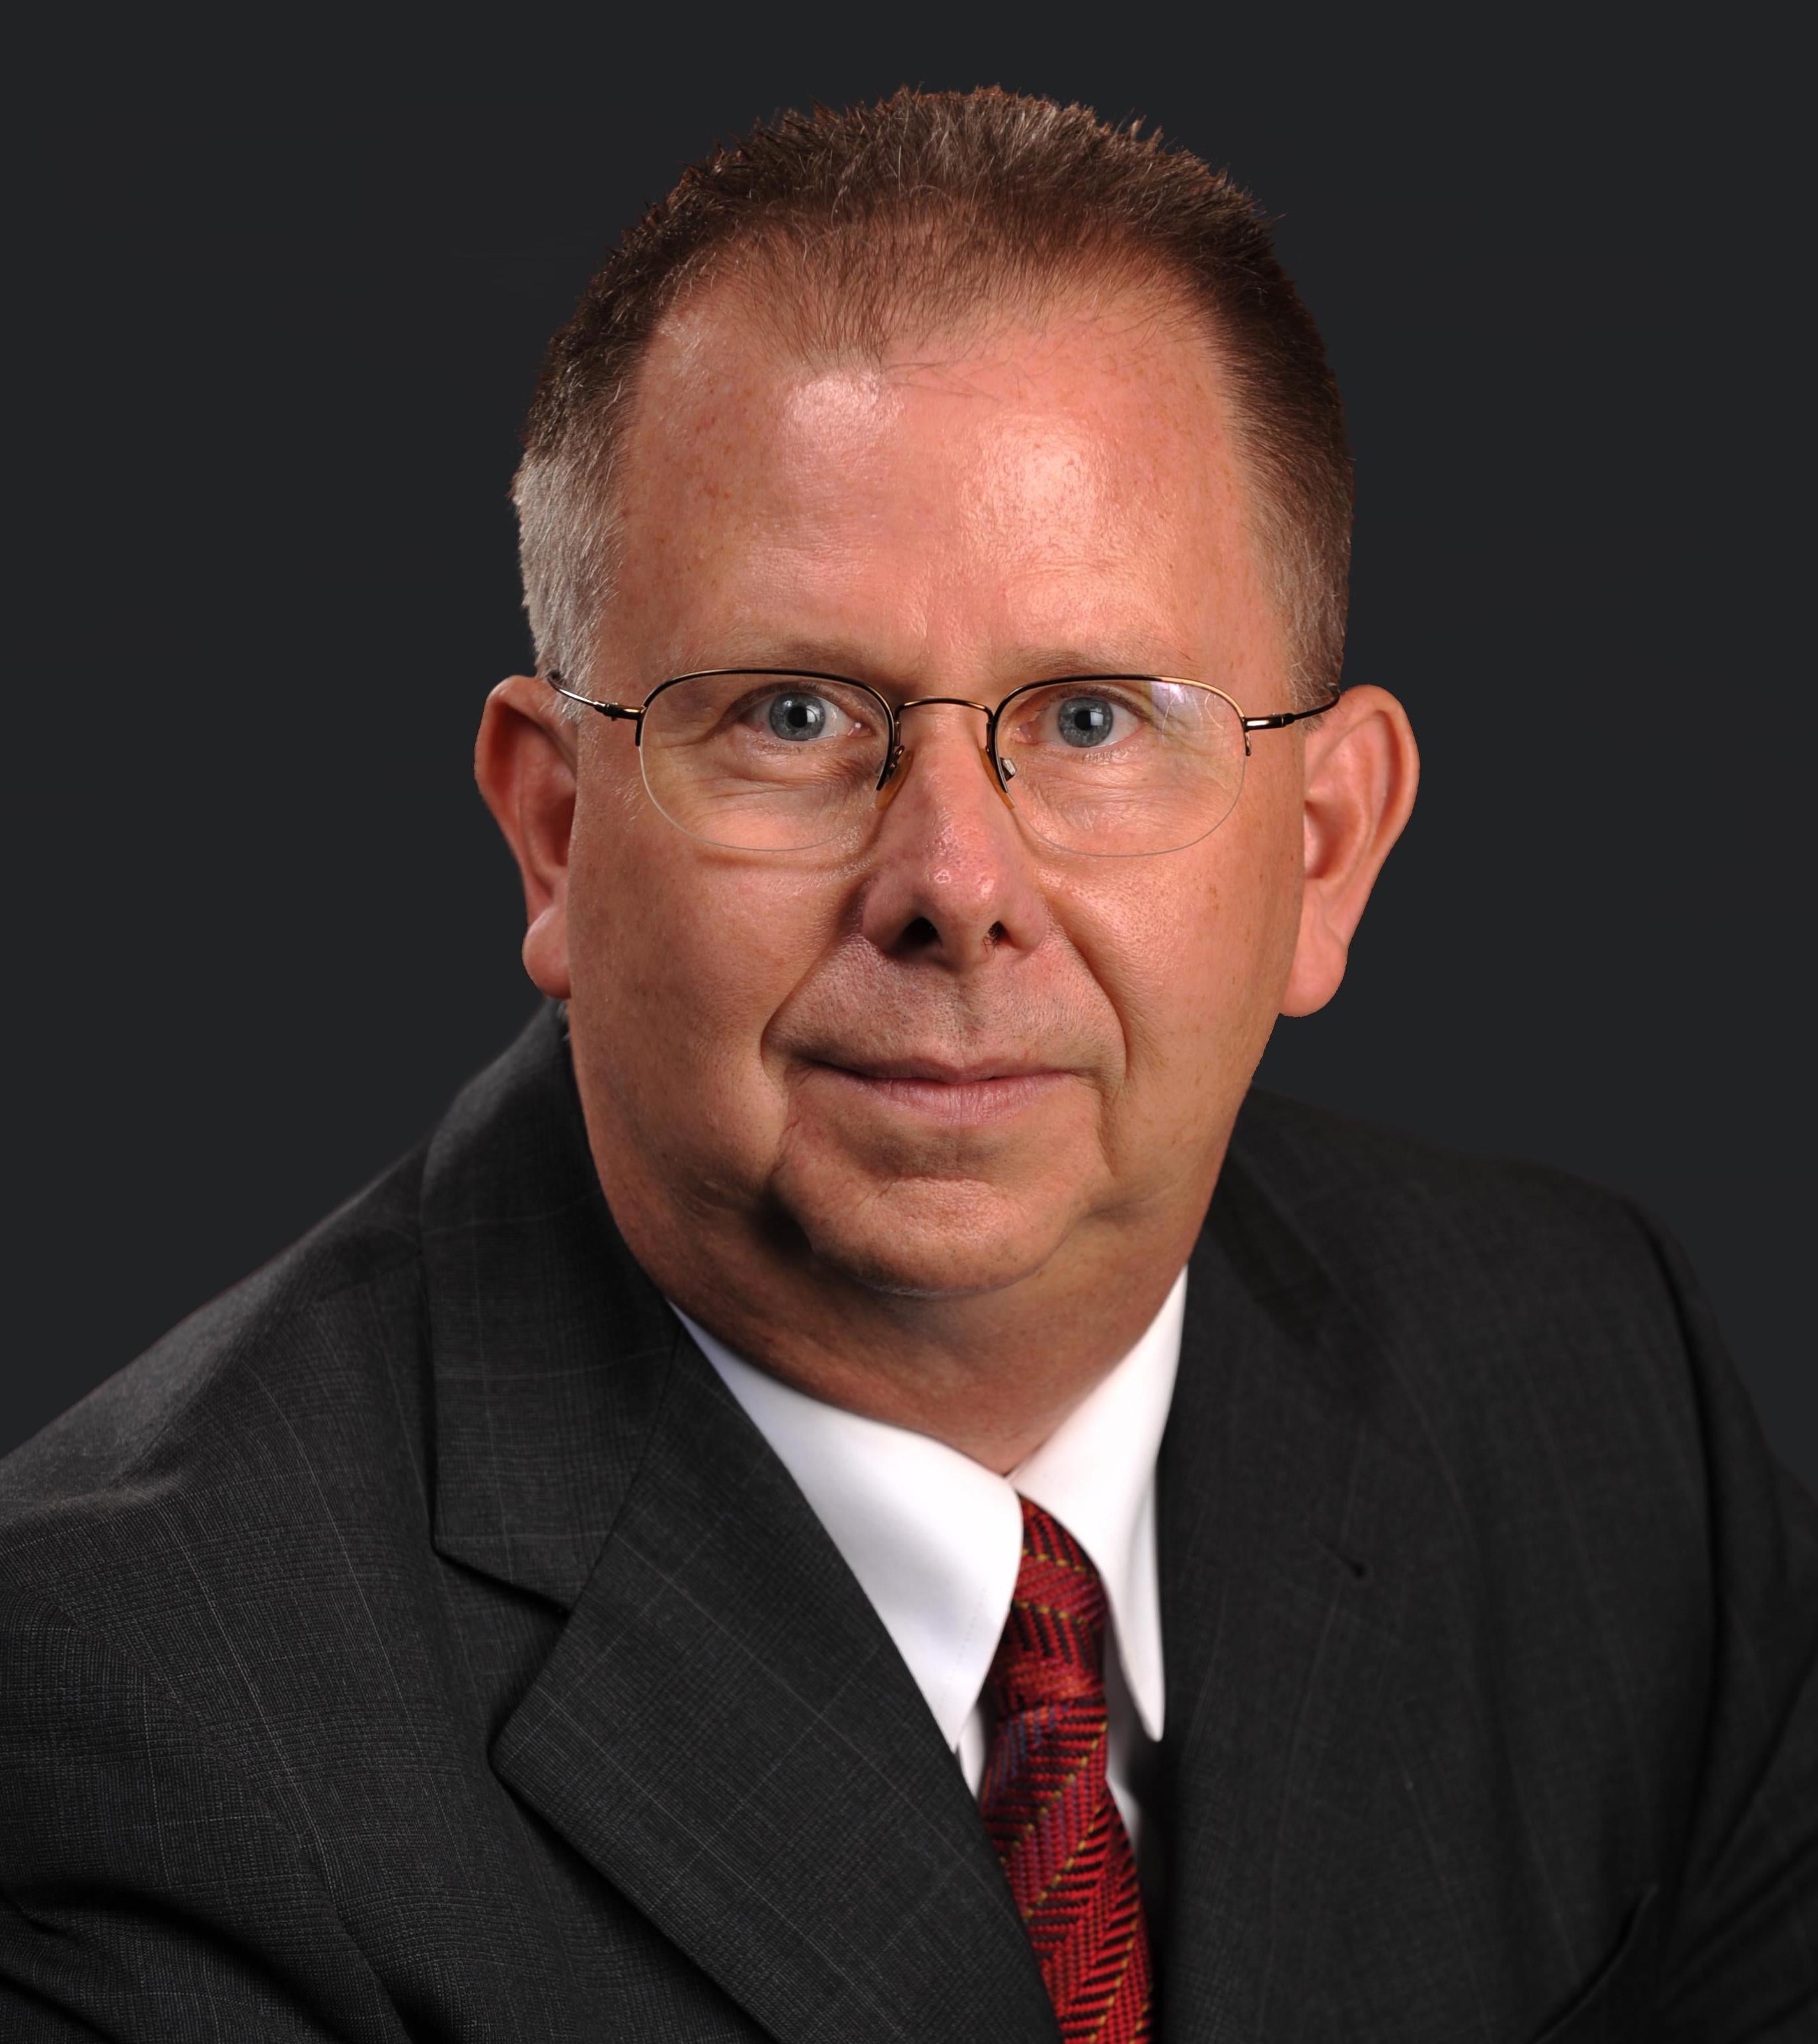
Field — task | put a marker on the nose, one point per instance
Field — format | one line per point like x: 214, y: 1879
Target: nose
x: 951, y: 877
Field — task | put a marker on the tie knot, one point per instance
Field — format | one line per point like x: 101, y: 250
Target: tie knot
x: 1053, y: 1647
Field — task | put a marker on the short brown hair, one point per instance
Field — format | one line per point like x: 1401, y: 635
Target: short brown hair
x: 923, y: 210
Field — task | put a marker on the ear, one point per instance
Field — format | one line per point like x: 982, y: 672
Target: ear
x: 523, y: 761
x: 1361, y: 769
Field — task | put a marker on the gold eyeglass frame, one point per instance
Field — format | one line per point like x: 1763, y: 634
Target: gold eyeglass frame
x: 1003, y: 771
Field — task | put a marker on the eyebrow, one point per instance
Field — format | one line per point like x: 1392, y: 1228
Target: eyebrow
x: 835, y: 656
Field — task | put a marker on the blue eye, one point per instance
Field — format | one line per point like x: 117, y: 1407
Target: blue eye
x: 797, y: 717
x: 1086, y: 720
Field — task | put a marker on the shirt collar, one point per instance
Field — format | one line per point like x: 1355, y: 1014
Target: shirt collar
x: 935, y: 1539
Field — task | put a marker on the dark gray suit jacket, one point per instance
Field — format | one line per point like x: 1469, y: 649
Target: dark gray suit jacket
x: 419, y: 1643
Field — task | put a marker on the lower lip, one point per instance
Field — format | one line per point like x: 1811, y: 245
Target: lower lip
x: 967, y: 1104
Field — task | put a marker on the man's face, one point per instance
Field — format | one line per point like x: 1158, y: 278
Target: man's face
x: 937, y: 1062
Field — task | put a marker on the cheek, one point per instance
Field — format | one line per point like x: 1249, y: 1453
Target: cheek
x: 1195, y: 959
x: 683, y: 955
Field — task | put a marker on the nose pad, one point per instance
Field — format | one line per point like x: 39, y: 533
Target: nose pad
x: 896, y: 772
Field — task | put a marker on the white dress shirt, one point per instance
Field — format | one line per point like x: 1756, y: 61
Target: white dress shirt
x: 935, y: 1539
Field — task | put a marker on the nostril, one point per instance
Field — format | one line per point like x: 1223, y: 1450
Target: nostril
x: 920, y: 934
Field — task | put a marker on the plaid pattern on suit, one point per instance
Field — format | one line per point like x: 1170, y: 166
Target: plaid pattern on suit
x: 419, y: 1643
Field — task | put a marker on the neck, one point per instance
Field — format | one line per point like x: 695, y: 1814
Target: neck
x: 990, y: 1374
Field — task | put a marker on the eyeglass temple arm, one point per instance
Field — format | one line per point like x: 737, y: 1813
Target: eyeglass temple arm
x: 612, y: 709
x: 1291, y: 716
x: 1250, y: 723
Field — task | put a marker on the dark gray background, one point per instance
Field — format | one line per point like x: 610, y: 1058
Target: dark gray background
x: 285, y: 299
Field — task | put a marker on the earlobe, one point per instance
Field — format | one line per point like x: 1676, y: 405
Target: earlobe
x: 1362, y: 769
x: 524, y: 764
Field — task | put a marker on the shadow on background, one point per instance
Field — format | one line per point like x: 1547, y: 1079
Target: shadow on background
x: 287, y: 302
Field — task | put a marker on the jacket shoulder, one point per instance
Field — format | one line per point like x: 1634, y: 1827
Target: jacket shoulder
x: 1410, y: 1224
x: 1540, y: 1339
x: 191, y: 1414
x: 1530, y: 1320
x: 1322, y: 1149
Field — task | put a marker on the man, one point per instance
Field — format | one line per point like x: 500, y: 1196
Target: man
x: 859, y: 1486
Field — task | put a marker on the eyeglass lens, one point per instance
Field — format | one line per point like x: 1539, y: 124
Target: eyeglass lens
x: 1107, y: 765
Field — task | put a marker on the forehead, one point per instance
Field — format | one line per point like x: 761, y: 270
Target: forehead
x: 1062, y: 480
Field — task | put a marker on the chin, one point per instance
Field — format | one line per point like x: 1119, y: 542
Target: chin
x: 933, y: 1239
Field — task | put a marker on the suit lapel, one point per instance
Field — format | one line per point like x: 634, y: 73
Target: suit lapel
x: 727, y: 1733
x: 1293, y: 1515
x: 723, y: 1728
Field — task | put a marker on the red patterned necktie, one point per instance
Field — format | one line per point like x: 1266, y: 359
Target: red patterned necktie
x: 1046, y: 1801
